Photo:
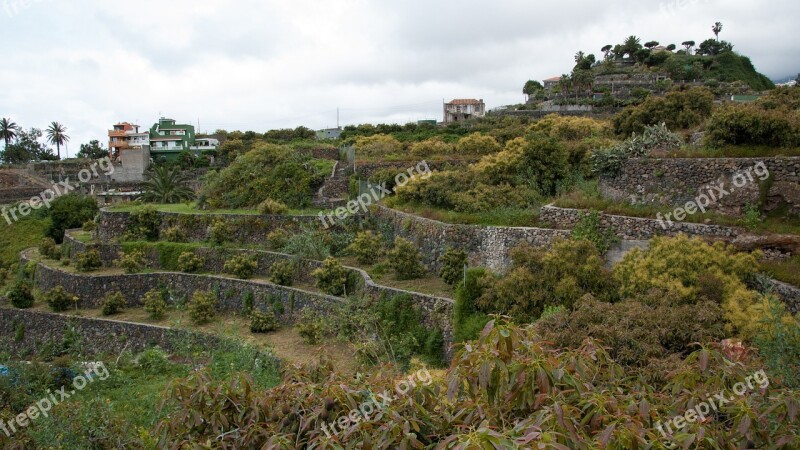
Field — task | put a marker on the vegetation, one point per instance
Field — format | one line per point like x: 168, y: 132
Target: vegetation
x: 406, y: 260
x: 272, y: 207
x: 262, y: 322
x: 88, y: 261
x: 68, y: 212
x: 202, y: 307
x: 366, y: 247
x: 242, y: 266
x: 155, y: 304
x: 132, y: 262
x: 282, y: 272
x: 452, y: 263
x: 189, y: 262
x: 332, y: 278
x: 21, y: 294
x: 59, y: 299
x: 113, y: 303
x: 166, y: 185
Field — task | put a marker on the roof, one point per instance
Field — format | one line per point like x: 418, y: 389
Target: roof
x: 465, y: 101
x: 553, y: 79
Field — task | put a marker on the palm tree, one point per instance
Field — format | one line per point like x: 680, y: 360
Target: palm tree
x: 717, y: 28
x: 631, y: 45
x: 166, y: 185
x: 8, y: 130
x: 56, y: 135
x: 579, y: 57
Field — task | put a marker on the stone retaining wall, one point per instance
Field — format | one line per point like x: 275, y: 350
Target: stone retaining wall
x: 98, y: 336
x: 485, y: 246
x: 635, y: 228
x: 675, y: 181
x: 789, y: 294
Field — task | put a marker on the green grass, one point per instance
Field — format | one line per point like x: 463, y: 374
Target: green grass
x: 734, y: 151
x: 191, y: 208
x: 503, y: 217
x: 787, y: 271
x: 18, y: 236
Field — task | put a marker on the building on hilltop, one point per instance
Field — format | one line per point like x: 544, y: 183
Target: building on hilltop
x: 329, y: 134
x: 126, y: 136
x: 463, y: 109
x: 169, y: 139
x: 551, y: 82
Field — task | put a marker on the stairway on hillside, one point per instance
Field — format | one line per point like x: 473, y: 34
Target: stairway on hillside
x: 335, y: 190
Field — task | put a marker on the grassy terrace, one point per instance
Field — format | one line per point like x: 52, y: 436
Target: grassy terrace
x: 504, y: 217
x: 191, y: 208
x: 734, y: 151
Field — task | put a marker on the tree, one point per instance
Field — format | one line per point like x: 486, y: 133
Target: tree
x: 579, y: 57
x: 531, y: 87
x: 8, y: 130
x: 717, y: 29
x: 607, y: 51
x: 68, y: 212
x: 651, y: 44
x: 671, y: 47
x: 631, y: 46
x: 566, y: 84
x: 711, y: 47
x: 582, y: 80
x: 92, y: 150
x: 166, y: 185
x: 56, y: 135
x: 27, y: 148
x: 688, y: 45
x: 797, y: 80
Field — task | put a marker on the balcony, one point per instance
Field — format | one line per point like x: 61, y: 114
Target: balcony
x: 119, y: 144
x: 116, y: 133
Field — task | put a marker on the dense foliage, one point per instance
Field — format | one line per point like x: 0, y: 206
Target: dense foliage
x: 68, y: 212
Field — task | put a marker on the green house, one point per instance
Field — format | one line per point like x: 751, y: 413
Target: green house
x: 168, y: 139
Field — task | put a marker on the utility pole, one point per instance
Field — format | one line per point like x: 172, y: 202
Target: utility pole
x: 337, y: 118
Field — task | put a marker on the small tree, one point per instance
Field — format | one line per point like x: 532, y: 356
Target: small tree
x: 262, y: 322
x: 366, y: 247
x: 405, y: 260
x: 132, y: 262
x: 453, y: 262
x: 113, y: 303
x: 717, y: 29
x: 21, y: 295
x: 190, y: 263
x: 88, y: 261
x: 331, y: 277
x: 272, y: 207
x: 155, y: 304
x: 202, y: 307
x: 59, y: 299
x: 241, y: 266
x: 282, y: 272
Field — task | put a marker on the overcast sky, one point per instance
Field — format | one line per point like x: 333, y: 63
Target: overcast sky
x: 263, y: 64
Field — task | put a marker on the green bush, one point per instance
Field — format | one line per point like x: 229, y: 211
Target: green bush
x: 189, y: 262
x: 113, y: 303
x: 272, y: 207
x: 242, y: 266
x: 68, y: 212
x: 679, y: 109
x: 309, y: 244
x: 590, y: 229
x: 88, y: 261
x: 453, y: 262
x: 49, y: 249
x: 59, y: 299
x: 282, y: 272
x: 277, y: 239
x: 174, y: 234
x: 262, y: 322
x: 144, y: 224
x: 202, y: 307
x: 219, y: 232
x: 89, y: 225
x: 154, y: 361
x: 477, y: 144
x: 778, y: 343
x: 155, y: 304
x: 248, y: 302
x: 132, y: 262
x: 407, y: 334
x: 366, y: 247
x: 331, y: 277
x: 751, y: 125
x: 310, y: 327
x: 406, y: 260
x: 468, y: 321
x: 21, y: 294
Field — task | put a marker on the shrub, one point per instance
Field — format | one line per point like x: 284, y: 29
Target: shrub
x: 144, y: 224
x: 132, y: 262
x: 272, y: 207
x: 752, y: 216
x: 89, y: 225
x: 309, y: 244
x: 242, y: 266
x: 405, y: 260
x: 202, y: 307
x: 310, y: 327
x: 59, y: 299
x: 113, y: 303
x: 431, y: 147
x: 189, y: 262
x: 407, y: 335
x: 331, y: 277
x: 262, y: 322
x: 778, y: 343
x: 21, y: 294
x: 88, y: 261
x: 219, y: 232
x: 174, y: 234
x: 277, y: 239
x: 468, y: 320
x: 751, y: 125
x: 153, y: 360
x: 68, y: 212
x: 248, y: 302
x: 366, y: 247
x: 672, y: 265
x: 453, y: 262
x: 282, y: 272
x: 590, y: 229
x: 609, y: 162
x: 477, y: 144
x: 679, y: 109
x: 377, y: 145
x: 155, y: 304
x: 49, y: 249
